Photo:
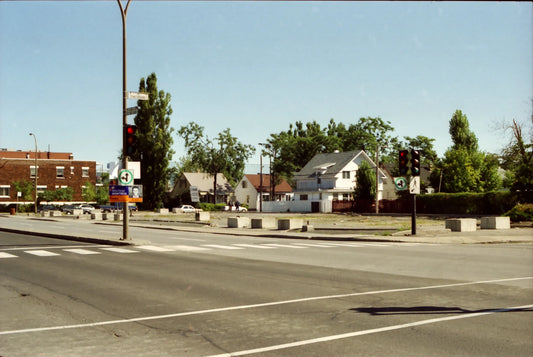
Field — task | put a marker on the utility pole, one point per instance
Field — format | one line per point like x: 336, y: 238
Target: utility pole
x: 125, y: 205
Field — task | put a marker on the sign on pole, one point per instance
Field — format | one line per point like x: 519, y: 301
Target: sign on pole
x: 132, y: 111
x: 137, y: 95
x: 414, y: 185
x: 195, y: 196
x: 400, y: 183
x: 118, y: 193
x: 125, y: 177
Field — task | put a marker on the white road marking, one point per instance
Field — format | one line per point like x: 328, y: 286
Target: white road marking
x: 81, y: 251
x: 120, y: 250
x: 227, y: 247
x: 318, y: 245
x: 187, y: 248
x: 155, y: 248
x: 258, y: 246
x: 41, y: 253
x: 52, y: 247
x: 7, y: 255
x: 284, y: 246
x: 368, y: 332
x: 273, y: 303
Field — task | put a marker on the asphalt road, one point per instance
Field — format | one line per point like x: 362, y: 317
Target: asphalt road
x: 188, y: 294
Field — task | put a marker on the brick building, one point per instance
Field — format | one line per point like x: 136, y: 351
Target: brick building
x: 54, y: 170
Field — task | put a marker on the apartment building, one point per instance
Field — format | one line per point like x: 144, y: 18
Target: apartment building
x: 54, y: 170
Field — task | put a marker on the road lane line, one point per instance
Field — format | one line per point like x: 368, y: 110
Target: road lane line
x: 187, y: 248
x: 284, y: 246
x: 259, y: 305
x: 371, y: 331
x: 154, y: 248
x: 228, y: 247
x: 258, y: 246
x: 318, y: 245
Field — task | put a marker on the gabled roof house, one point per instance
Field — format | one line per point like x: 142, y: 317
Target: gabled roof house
x: 332, y: 176
x: 204, y: 182
x: 250, y: 188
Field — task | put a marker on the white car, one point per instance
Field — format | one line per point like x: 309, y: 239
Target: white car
x: 187, y: 209
x: 234, y: 209
x: 87, y: 209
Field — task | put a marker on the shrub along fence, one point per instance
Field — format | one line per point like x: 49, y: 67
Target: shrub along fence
x: 490, y: 203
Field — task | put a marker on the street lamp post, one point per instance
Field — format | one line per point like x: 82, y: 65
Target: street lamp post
x: 35, y: 171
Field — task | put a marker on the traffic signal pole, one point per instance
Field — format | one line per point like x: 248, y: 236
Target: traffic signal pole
x: 125, y: 206
x: 413, y: 216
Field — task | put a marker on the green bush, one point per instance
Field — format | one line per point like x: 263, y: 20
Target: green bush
x: 212, y: 206
x: 467, y: 203
x: 521, y: 212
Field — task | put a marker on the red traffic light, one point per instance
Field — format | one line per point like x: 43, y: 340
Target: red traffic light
x: 130, y: 138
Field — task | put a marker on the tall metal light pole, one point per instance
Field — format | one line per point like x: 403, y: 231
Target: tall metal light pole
x: 125, y: 205
x: 35, y: 138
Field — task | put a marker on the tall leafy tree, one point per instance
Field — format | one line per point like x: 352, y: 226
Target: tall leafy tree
x: 154, y: 142
x: 25, y: 188
x: 225, y: 154
x: 464, y: 168
x: 365, y: 187
x: 517, y: 157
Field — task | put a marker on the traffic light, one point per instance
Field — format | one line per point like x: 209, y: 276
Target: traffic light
x: 403, y: 162
x: 131, y: 139
x: 415, y: 162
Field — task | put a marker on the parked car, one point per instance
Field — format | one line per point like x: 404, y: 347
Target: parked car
x: 45, y: 208
x: 187, y: 209
x: 106, y: 208
x: 69, y: 209
x: 235, y: 209
x: 87, y: 209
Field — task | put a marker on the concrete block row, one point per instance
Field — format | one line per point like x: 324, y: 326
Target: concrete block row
x: 265, y: 223
x: 470, y: 224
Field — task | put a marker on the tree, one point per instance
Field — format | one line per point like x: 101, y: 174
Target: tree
x: 517, y: 158
x: 464, y: 168
x: 225, y: 155
x: 25, y: 188
x: 88, y: 192
x: 365, y: 187
x: 296, y: 147
x: 154, y: 142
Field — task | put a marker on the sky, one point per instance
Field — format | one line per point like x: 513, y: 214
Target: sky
x: 255, y: 67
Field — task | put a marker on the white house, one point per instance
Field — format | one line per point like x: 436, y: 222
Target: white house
x: 329, y: 177
x: 248, y: 191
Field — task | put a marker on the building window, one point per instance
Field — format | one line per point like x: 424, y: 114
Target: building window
x: 303, y: 197
x: 4, y: 191
x: 84, y: 172
x: 60, y: 172
x: 32, y: 171
x: 72, y: 170
x: 244, y: 184
x: 346, y: 174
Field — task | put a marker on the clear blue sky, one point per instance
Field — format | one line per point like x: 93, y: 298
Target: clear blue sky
x: 255, y: 67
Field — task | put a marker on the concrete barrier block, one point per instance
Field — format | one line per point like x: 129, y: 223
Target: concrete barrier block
x: 264, y: 223
x: 162, y: 211
x: 495, y: 223
x: 202, y: 216
x: 461, y: 224
x: 54, y: 213
x: 289, y: 224
x: 238, y: 222
x: 308, y: 228
x: 117, y: 217
x: 176, y: 210
x: 96, y: 216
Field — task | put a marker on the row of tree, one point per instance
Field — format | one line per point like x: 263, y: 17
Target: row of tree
x: 464, y: 168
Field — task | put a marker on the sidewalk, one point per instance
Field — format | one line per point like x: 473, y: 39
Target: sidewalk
x: 435, y: 234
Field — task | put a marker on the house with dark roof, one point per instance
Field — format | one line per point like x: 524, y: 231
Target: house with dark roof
x: 204, y: 183
x: 251, y: 187
x: 332, y: 176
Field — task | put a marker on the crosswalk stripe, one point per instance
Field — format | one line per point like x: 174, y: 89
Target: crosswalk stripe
x: 7, y: 255
x: 187, y: 248
x: 41, y: 253
x: 120, y: 250
x: 228, y: 247
x: 155, y: 248
x: 81, y: 251
x: 258, y: 246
